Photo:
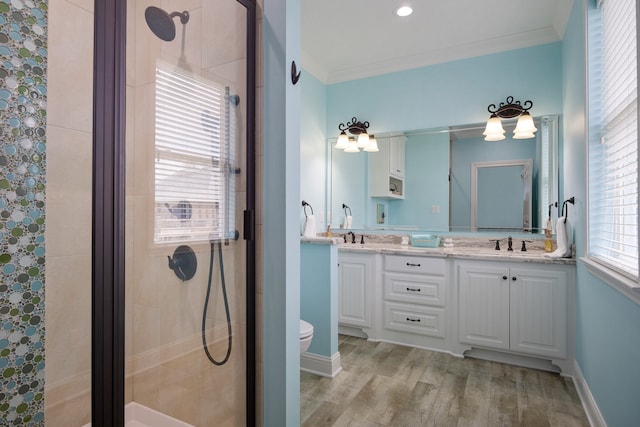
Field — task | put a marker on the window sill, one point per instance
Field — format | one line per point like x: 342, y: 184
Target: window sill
x: 622, y: 284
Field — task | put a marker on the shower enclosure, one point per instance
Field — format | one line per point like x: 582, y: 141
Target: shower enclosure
x: 161, y: 246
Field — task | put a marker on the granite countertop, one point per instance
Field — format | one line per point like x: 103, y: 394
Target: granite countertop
x: 320, y: 240
x: 536, y: 256
x: 463, y: 248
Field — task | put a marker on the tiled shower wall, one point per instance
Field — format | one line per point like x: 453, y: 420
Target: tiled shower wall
x: 23, y: 91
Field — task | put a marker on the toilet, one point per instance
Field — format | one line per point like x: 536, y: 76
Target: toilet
x: 306, y: 335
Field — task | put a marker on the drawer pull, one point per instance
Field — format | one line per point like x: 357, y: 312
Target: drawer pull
x: 413, y: 289
x: 409, y: 319
x: 413, y: 265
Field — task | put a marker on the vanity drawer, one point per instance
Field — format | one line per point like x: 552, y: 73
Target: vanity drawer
x: 414, y: 288
x: 429, y: 321
x: 412, y: 264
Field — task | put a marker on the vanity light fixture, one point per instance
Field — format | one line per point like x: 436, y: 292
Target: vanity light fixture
x: 524, y: 128
x: 360, y: 138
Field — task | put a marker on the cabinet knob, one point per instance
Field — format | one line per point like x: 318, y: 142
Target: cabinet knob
x: 514, y: 278
x: 504, y: 277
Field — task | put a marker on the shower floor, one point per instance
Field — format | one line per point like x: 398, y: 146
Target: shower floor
x: 137, y: 415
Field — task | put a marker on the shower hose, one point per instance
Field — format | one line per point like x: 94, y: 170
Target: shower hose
x: 226, y: 306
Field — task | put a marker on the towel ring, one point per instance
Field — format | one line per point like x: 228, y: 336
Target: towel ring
x: 564, y: 206
x: 304, y: 208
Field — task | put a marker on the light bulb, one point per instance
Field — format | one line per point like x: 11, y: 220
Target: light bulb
x: 343, y: 140
x: 525, y: 127
x: 363, y: 140
x: 404, y: 11
x: 373, y: 145
x: 494, y: 130
x: 352, y: 147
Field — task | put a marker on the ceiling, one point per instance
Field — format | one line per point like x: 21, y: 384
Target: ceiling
x: 351, y: 39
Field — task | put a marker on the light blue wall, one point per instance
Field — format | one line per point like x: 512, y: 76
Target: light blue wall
x: 319, y: 295
x: 427, y: 169
x: 452, y: 93
x: 349, y: 185
x: 313, y: 147
x: 467, y: 151
x: 607, y: 338
x: 281, y: 211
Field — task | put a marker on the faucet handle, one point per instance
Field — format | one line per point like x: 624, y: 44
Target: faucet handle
x: 509, y: 243
x: 524, y: 246
x: 497, y: 244
x: 362, y: 239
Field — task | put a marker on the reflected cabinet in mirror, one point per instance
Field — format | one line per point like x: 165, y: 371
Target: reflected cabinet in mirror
x: 448, y: 179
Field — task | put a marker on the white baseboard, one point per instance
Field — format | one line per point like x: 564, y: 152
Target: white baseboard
x: 588, y: 402
x: 324, y: 366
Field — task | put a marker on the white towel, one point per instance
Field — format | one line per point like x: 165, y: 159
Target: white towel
x: 347, y: 221
x: 563, y: 240
x: 310, y: 226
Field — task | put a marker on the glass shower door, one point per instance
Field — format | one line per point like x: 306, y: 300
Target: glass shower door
x: 186, y: 194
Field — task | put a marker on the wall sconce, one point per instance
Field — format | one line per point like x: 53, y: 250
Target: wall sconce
x: 360, y: 138
x: 524, y: 128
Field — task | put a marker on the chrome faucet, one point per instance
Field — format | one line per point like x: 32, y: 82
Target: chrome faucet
x: 353, y: 237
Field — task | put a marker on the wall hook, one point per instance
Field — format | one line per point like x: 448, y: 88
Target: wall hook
x: 295, y: 74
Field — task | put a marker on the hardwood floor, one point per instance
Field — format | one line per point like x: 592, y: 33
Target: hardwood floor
x: 384, y: 384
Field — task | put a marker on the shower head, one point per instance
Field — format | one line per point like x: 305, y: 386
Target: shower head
x: 161, y: 23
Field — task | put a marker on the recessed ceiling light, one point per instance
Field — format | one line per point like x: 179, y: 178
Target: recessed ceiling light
x: 404, y: 11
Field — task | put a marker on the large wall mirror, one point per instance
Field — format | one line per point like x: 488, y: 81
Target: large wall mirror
x: 454, y: 181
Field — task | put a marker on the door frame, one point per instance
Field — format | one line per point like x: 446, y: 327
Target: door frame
x: 527, y: 164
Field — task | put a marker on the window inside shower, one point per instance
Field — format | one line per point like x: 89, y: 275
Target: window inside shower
x: 195, y: 164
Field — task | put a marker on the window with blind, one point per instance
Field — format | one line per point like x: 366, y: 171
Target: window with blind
x: 194, y: 179
x: 613, y: 136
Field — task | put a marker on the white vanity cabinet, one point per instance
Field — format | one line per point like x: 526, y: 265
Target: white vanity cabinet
x: 517, y: 307
x: 386, y: 168
x: 414, y: 298
x: 356, y: 284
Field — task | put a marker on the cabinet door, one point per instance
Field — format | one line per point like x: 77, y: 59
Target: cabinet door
x: 538, y: 312
x: 396, y: 156
x: 483, y: 310
x: 354, y: 297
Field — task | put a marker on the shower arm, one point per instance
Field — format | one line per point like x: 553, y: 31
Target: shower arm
x: 184, y: 16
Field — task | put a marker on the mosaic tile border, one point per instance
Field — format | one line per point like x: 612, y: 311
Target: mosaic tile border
x: 23, y: 91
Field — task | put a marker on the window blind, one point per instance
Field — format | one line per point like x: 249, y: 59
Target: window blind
x: 546, y: 170
x: 613, y: 146
x: 194, y: 179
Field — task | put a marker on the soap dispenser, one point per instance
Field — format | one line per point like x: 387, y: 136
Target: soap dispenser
x: 548, y: 240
